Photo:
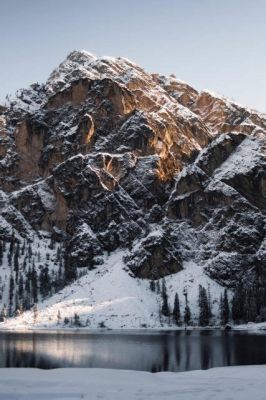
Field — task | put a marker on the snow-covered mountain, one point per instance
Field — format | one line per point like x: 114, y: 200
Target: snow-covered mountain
x: 120, y: 189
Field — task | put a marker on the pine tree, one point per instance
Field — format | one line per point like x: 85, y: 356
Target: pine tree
x: 45, y: 282
x: 76, y: 320
x: 152, y: 286
x: 11, y: 293
x: 70, y: 270
x: 23, y: 248
x: 3, y: 314
x: 12, y: 244
x: 20, y: 287
x: 51, y: 244
x: 187, y: 313
x: 209, y: 301
x: 58, y: 254
x: 204, y: 310
x: 34, y: 284
x: 250, y: 306
x: 224, y: 308
x: 1, y: 253
x: 9, y: 256
x: 165, y: 306
x: 15, y: 262
x: 176, y: 310
x: 27, y: 294
x: 29, y: 251
x: 238, y: 304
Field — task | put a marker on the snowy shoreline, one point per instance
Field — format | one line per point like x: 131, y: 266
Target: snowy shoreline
x: 243, y: 327
x: 238, y: 383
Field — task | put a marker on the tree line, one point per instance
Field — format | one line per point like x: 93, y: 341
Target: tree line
x: 248, y: 304
x: 27, y: 284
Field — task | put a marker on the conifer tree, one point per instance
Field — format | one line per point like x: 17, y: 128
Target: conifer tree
x: 204, y: 310
x: 76, y: 320
x: 45, y: 283
x: 224, y: 308
x: 11, y: 293
x: 27, y: 294
x: 3, y: 314
x: 165, y: 306
x: 10, y: 256
x: 187, y: 312
x: 12, y: 243
x: 250, y: 305
x: 16, y: 262
x: 176, y: 310
x: 34, y: 284
x: 20, y: 286
x: 1, y: 253
x: 152, y: 286
x: 238, y: 304
x: 23, y: 248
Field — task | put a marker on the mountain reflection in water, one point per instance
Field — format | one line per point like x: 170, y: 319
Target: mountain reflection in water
x: 138, y: 350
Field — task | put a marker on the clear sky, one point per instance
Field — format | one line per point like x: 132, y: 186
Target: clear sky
x: 218, y: 45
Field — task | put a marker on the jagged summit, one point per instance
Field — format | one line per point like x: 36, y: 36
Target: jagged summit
x: 81, y: 56
x: 135, y: 176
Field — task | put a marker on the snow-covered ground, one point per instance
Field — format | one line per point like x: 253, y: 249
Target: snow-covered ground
x: 108, y: 296
x: 251, y: 326
x: 230, y: 383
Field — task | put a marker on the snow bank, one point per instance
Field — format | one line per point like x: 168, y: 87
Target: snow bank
x: 238, y: 383
x: 251, y: 326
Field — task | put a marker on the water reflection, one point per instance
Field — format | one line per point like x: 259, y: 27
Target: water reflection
x: 150, y: 351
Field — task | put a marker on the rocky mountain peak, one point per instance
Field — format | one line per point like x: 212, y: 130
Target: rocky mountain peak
x: 105, y: 157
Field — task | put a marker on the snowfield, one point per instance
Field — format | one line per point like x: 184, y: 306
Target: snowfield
x: 109, y: 297
x: 230, y: 383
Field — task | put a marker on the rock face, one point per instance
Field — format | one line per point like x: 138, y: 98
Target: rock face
x: 105, y: 156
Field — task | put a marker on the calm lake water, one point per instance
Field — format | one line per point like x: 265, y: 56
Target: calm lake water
x: 147, y: 351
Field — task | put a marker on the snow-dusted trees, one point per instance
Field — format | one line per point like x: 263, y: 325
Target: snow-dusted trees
x: 45, y: 283
x: 15, y: 262
x: 165, y: 307
x: 11, y: 293
x: 76, y: 321
x: 187, y: 312
x: 249, y: 302
x: 1, y: 252
x: 176, y: 310
x: 152, y: 286
x: 224, y: 308
x: 3, y: 314
x: 204, y: 307
x: 34, y: 284
x: 70, y: 270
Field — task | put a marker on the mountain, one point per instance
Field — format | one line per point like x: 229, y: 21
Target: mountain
x: 119, y: 189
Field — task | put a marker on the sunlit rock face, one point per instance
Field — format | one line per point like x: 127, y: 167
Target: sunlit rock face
x: 106, y: 156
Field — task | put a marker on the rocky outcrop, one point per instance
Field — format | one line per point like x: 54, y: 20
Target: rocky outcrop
x: 154, y: 257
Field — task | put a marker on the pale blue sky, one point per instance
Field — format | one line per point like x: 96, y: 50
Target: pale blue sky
x: 218, y: 45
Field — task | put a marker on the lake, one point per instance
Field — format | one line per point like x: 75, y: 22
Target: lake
x: 138, y: 350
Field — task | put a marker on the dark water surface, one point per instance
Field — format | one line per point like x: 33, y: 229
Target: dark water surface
x: 138, y: 350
